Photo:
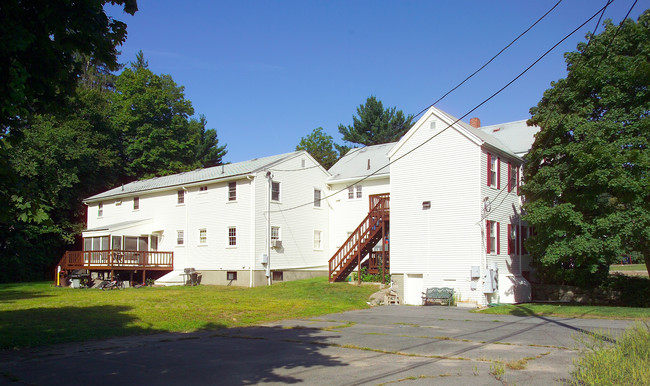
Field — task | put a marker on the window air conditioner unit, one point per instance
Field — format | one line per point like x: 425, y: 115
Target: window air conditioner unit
x: 276, y: 243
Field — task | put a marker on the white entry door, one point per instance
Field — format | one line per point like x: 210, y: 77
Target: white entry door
x: 413, y: 289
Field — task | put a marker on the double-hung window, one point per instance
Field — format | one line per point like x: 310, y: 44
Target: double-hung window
x: 136, y: 203
x: 350, y: 192
x: 203, y: 236
x: 492, y: 237
x: 181, y: 197
x: 232, y: 191
x: 359, y: 195
x: 180, y: 237
x: 318, y: 241
x: 513, y: 174
x: 100, y: 209
x: 232, y: 236
x: 275, y: 191
x: 317, y: 198
x: 275, y: 233
x: 493, y: 171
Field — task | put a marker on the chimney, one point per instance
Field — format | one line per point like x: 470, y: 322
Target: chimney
x: 475, y: 122
x: 368, y: 163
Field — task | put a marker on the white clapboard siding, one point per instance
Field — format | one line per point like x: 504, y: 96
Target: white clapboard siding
x: 295, y: 214
x: 443, y: 242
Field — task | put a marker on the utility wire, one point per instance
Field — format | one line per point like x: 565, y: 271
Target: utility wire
x: 489, y: 61
x: 581, y: 62
x: 458, y: 119
x: 602, y: 13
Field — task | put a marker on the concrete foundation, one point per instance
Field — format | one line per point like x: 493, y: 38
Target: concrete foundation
x: 242, y: 277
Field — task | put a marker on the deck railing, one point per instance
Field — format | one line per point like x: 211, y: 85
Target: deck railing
x: 117, y: 259
x: 356, y: 246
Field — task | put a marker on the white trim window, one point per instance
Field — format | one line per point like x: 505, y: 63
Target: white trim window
x: 318, y: 240
x: 232, y: 236
x: 180, y: 237
x: 275, y: 233
x: 493, y: 171
x: 180, y: 197
x: 317, y: 198
x: 275, y: 191
x: 100, y: 209
x: 359, y: 195
x: 136, y: 203
x: 232, y: 191
x: 203, y: 236
x: 350, y: 192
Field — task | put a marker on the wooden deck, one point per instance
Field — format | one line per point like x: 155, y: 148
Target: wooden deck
x: 112, y: 260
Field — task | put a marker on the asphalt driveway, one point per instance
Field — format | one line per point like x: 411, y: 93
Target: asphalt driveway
x: 381, y: 345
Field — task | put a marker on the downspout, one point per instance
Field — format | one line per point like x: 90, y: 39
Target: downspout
x: 269, y: 175
x: 251, y: 281
x: 187, y: 232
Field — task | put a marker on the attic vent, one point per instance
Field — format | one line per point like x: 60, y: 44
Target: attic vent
x: 118, y: 202
x: 432, y: 125
x: 495, y: 130
x: 426, y: 205
x: 302, y: 163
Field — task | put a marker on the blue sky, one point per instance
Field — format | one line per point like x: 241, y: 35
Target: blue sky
x: 266, y: 73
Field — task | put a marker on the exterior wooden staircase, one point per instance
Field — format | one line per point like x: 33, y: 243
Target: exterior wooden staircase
x: 360, y: 243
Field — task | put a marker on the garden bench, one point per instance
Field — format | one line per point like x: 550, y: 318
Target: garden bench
x: 441, y: 294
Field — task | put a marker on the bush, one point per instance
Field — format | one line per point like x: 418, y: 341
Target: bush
x: 633, y: 290
x: 625, y: 362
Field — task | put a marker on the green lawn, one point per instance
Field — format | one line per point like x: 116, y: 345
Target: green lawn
x: 572, y: 311
x: 36, y: 314
x: 627, y: 267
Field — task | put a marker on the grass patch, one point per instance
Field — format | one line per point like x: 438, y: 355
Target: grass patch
x: 627, y: 267
x: 37, y: 314
x: 624, y: 363
x: 571, y: 311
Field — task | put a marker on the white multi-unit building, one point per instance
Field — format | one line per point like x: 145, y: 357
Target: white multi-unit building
x: 454, y: 214
x: 216, y: 220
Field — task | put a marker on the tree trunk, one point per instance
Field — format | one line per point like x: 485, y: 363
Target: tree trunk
x: 646, y: 258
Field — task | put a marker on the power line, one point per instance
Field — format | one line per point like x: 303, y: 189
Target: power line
x: 458, y: 119
x: 489, y: 61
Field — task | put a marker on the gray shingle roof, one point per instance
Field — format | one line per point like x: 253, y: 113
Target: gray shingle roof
x: 355, y: 163
x: 518, y: 136
x: 195, y: 176
x: 484, y: 136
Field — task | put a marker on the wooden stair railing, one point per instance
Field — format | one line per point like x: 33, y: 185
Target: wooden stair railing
x: 362, y: 240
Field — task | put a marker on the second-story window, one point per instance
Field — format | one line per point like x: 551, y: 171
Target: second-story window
x: 180, y: 237
x: 275, y: 191
x: 317, y: 198
x: 359, y: 195
x: 350, y: 192
x: 136, y: 203
x: 203, y: 236
x: 100, y: 209
x: 181, y: 197
x: 232, y: 191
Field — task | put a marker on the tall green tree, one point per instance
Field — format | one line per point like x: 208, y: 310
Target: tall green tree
x: 158, y: 135
x: 587, y: 176
x: 321, y: 146
x: 375, y: 125
x: 39, y: 44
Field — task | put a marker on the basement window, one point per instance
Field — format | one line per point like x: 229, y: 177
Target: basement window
x: 231, y: 276
x: 278, y: 276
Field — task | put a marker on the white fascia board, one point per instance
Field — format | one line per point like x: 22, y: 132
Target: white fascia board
x: 354, y: 179
x: 298, y: 154
x: 447, y: 124
x: 493, y: 149
x: 171, y: 187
